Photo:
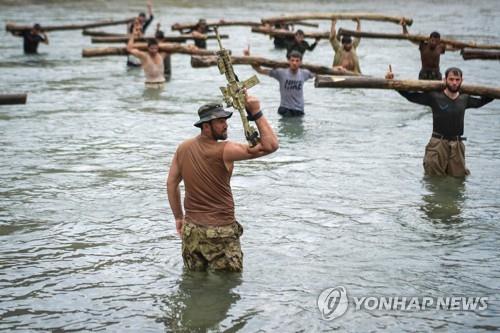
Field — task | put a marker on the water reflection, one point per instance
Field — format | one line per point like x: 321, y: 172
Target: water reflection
x: 152, y: 93
x: 291, y: 127
x: 445, y: 199
x: 201, y: 302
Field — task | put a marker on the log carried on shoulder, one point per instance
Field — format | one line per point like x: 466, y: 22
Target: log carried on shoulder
x: 8, y: 99
x: 323, y: 81
x: 165, y: 47
x: 305, y: 24
x: 338, y: 16
x: 220, y: 23
x: 176, y: 38
x: 416, y: 38
x: 287, y: 33
x: 98, y: 33
x: 11, y: 27
x: 207, y: 61
x: 469, y: 54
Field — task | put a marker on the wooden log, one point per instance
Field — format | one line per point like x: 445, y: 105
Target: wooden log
x: 185, y: 26
x: 338, y: 16
x: 469, y: 54
x: 176, y: 38
x: 220, y: 23
x: 165, y: 47
x: 306, y: 24
x: 416, y: 38
x: 96, y: 33
x: 8, y: 99
x: 11, y: 27
x: 323, y: 81
x: 207, y: 61
x: 287, y: 33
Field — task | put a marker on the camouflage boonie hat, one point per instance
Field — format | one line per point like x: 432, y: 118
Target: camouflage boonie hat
x: 211, y: 111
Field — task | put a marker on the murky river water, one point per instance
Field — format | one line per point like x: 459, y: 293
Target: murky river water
x: 87, y: 239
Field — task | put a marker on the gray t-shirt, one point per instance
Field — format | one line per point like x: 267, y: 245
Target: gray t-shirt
x: 291, y: 86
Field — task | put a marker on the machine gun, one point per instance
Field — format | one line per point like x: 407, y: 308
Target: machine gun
x: 233, y: 93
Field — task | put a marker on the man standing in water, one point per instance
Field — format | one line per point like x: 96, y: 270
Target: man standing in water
x: 445, y: 152
x: 430, y: 54
x: 152, y: 61
x: 167, y: 61
x: 299, y: 44
x: 291, y: 81
x: 282, y: 42
x: 200, y: 30
x: 346, y: 57
x: 31, y: 38
x: 209, y: 230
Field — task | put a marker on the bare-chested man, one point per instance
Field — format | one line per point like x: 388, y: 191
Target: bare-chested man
x: 345, y: 54
x: 151, y: 61
x: 430, y: 53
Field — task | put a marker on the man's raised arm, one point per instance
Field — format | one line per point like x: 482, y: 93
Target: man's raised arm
x: 130, y: 45
x: 268, y: 143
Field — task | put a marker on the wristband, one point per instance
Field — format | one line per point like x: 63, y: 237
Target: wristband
x: 255, y: 117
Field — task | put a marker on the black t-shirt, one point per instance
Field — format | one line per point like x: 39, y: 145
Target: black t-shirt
x: 31, y: 41
x: 300, y: 47
x: 447, y: 114
x: 145, y: 25
x: 201, y: 43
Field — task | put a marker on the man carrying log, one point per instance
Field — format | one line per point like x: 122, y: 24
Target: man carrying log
x: 430, y: 54
x: 346, y: 57
x: 291, y: 82
x: 281, y: 42
x: 143, y: 23
x: 209, y: 230
x: 445, y: 152
x: 299, y: 44
x: 167, y: 61
x: 31, y: 38
x: 152, y: 61
x: 199, y: 30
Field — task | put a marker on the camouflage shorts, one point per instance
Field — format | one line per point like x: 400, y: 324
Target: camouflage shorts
x: 212, y: 248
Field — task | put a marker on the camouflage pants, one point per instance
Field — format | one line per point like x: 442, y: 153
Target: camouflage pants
x: 212, y: 248
x: 445, y: 157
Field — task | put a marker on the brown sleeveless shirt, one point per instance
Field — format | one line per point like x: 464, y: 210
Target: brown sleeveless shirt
x: 208, y: 200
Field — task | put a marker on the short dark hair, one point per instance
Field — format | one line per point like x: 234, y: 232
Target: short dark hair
x: 37, y: 26
x: 346, y: 40
x: 453, y: 70
x: 152, y: 42
x: 295, y: 54
x: 299, y: 32
x: 435, y: 34
x: 142, y: 14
